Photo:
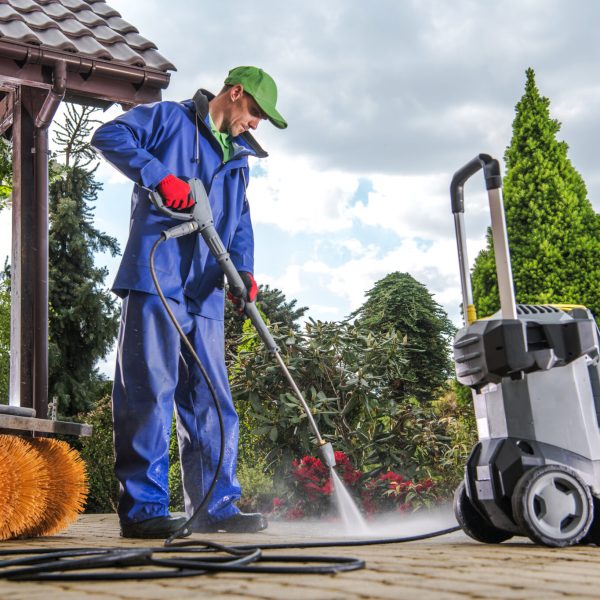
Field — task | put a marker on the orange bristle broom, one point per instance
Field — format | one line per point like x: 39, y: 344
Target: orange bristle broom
x: 24, y: 480
x: 9, y: 482
x: 67, y: 488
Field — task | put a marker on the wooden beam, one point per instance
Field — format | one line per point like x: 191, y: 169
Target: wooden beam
x: 95, y: 86
x: 31, y: 425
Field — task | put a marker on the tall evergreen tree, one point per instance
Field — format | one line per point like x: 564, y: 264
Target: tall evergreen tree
x: 553, y: 231
x: 401, y: 304
x: 83, y: 315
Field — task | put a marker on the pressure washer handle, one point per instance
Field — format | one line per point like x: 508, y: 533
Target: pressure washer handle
x: 493, y: 183
x: 158, y: 202
x: 491, y: 172
x: 201, y: 211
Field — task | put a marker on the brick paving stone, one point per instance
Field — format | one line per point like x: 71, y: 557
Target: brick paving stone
x: 446, y: 568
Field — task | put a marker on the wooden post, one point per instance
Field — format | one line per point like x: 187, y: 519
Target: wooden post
x: 29, y: 282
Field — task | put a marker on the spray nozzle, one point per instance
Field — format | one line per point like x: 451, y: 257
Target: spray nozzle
x: 327, y: 454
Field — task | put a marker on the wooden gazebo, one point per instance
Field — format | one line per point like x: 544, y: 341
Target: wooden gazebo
x: 53, y: 50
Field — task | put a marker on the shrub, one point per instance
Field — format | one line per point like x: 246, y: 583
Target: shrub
x: 455, y: 414
x: 352, y: 380
x: 390, y: 491
x: 257, y: 487
x: 97, y: 451
x: 310, y: 490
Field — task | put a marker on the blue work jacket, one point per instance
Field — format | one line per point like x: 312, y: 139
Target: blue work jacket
x: 146, y: 144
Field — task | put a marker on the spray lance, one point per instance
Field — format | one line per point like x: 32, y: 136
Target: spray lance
x: 201, y: 220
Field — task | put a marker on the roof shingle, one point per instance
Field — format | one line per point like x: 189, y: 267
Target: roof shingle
x: 89, y: 28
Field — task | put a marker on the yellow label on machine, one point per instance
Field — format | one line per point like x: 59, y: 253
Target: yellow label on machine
x: 471, y: 314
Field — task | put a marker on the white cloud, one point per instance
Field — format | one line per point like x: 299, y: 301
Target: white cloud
x: 575, y: 107
x: 299, y: 198
x: 411, y: 206
x: 341, y: 262
x: 354, y: 247
x: 296, y: 197
x: 344, y: 286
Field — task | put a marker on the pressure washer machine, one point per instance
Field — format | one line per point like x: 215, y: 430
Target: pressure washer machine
x: 535, y: 378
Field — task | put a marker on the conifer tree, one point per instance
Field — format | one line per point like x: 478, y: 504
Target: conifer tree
x: 400, y: 304
x: 553, y: 231
x: 83, y: 317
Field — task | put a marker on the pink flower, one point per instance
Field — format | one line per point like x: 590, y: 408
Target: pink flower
x: 294, y: 513
x: 341, y: 458
x: 328, y: 487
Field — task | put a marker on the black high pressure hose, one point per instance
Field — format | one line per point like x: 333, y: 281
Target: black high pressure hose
x: 185, y: 558
x: 183, y: 530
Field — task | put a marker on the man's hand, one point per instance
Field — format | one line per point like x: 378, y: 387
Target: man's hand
x: 176, y: 193
x: 252, y: 289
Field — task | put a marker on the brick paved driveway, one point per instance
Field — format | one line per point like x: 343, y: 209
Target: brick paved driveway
x: 450, y: 567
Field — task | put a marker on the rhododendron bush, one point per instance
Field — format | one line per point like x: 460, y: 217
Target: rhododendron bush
x: 311, y: 490
x: 357, y: 386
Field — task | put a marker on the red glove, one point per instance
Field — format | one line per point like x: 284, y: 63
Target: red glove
x: 176, y: 193
x: 252, y: 289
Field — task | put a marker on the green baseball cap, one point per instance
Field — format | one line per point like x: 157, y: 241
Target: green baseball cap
x: 261, y: 87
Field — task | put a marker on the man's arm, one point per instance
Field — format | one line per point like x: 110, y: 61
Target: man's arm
x: 127, y: 142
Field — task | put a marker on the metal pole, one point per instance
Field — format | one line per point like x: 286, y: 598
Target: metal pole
x: 300, y: 397
x: 463, y: 262
x: 508, y: 304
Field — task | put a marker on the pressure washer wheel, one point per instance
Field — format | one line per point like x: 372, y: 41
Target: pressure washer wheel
x: 553, y: 506
x: 593, y: 534
x: 472, y: 522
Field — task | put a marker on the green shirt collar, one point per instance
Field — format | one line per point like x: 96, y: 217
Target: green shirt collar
x: 223, y: 138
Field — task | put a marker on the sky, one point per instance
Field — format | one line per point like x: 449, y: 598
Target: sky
x: 385, y: 101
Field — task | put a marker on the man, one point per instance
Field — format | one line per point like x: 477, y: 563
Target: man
x: 160, y: 146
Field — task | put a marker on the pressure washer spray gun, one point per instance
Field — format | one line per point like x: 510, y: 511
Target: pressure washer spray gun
x: 201, y: 220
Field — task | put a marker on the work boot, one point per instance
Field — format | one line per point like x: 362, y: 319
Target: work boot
x: 240, y: 523
x: 157, y: 528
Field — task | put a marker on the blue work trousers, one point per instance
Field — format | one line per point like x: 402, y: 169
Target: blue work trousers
x: 155, y: 371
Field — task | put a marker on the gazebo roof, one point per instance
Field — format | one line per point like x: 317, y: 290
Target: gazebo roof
x: 107, y: 59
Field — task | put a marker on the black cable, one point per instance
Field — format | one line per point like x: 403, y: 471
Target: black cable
x: 41, y: 564
x: 184, y: 528
x: 78, y: 564
x: 337, y: 543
